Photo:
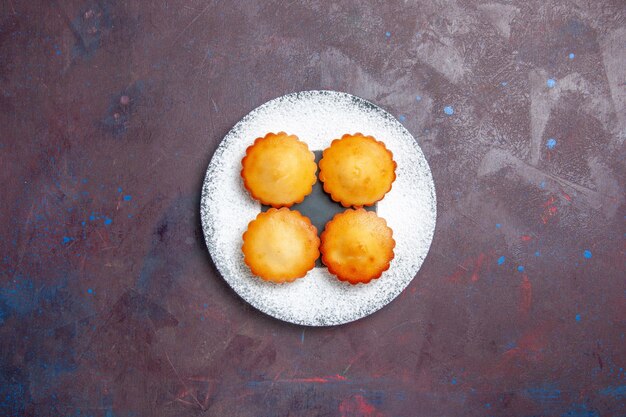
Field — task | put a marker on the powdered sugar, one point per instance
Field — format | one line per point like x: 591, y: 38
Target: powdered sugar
x: 318, y: 117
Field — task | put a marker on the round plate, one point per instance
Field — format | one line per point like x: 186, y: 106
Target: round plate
x: 318, y: 117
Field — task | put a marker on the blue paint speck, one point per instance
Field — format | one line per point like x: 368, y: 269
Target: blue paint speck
x: 511, y: 345
x: 402, y: 118
x: 503, y: 83
x: 587, y: 254
x: 83, y: 223
x: 454, y: 381
x: 498, y: 225
x: 501, y: 260
x: 487, y: 405
x: 580, y: 411
x: 128, y: 197
x: 545, y: 394
x: 388, y: 34
x: 85, y: 180
x: 550, y: 83
x: 551, y: 143
x: 89, y: 290
x: 418, y: 98
x: 542, y: 184
x: 205, y: 305
x: 571, y: 55
x: 67, y: 240
x: 520, y: 268
x: 616, y: 392
x: 107, y: 221
x: 537, y: 253
x: 577, y: 317
x: 448, y: 110
x: 130, y: 216
x: 119, y: 189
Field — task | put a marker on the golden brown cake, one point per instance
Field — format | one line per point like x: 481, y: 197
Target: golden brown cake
x: 357, y: 170
x: 280, y: 245
x: 357, y: 246
x: 279, y: 170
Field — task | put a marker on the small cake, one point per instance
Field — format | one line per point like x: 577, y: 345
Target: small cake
x: 357, y: 246
x: 280, y: 245
x: 357, y: 170
x: 279, y: 170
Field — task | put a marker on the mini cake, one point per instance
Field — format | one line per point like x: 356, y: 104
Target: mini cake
x: 357, y: 246
x: 279, y: 170
x: 280, y: 245
x: 357, y: 170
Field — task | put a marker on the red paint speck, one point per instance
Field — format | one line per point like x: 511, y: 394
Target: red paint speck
x: 550, y: 201
x: 550, y: 210
x: 317, y: 379
x: 468, y: 264
x: 357, y: 406
x: 526, y: 292
x: 457, y: 275
x: 567, y: 196
x: 529, y: 348
x: 526, y: 238
x: 477, y: 266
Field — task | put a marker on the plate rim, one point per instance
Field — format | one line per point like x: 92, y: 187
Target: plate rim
x: 207, y: 229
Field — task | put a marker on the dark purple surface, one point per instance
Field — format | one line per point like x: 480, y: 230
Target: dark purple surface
x: 109, y: 302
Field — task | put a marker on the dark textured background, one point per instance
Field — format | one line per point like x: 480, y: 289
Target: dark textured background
x: 109, y: 302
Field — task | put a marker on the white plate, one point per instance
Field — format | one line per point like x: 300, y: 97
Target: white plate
x: 318, y: 117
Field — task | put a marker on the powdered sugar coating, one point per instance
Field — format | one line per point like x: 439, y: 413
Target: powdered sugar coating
x: 318, y: 117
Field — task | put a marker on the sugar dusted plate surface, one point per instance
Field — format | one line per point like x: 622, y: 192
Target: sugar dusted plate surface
x: 318, y: 117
